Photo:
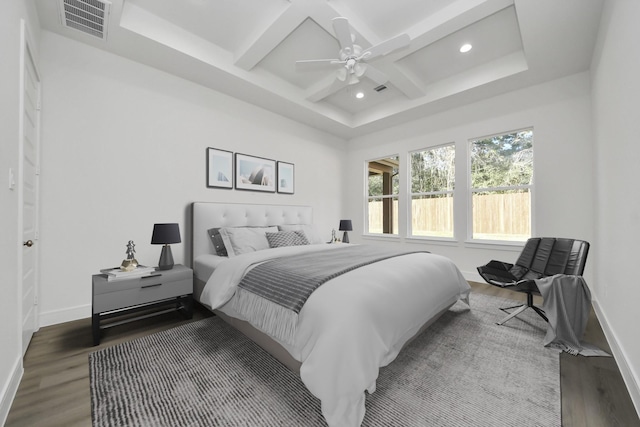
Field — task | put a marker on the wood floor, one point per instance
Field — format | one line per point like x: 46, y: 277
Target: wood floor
x: 55, y: 387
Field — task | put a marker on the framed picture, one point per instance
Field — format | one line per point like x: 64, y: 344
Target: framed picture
x: 286, y: 178
x: 219, y: 168
x: 255, y: 173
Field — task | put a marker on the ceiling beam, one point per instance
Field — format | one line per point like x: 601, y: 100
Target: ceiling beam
x: 327, y: 86
x: 403, y: 80
x: 266, y: 40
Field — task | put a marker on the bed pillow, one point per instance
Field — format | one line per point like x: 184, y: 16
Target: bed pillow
x: 240, y: 240
x: 308, y: 229
x: 218, y: 243
x: 287, y: 238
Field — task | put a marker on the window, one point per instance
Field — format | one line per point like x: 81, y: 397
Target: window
x: 501, y: 183
x: 432, y: 184
x: 382, y: 195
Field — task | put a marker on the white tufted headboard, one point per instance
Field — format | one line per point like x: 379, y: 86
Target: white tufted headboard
x: 206, y: 215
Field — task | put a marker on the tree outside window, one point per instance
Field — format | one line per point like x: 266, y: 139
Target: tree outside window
x: 501, y: 184
x: 382, y: 195
x: 432, y: 185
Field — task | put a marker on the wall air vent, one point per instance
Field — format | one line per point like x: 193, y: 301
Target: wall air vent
x: 379, y: 88
x: 89, y: 16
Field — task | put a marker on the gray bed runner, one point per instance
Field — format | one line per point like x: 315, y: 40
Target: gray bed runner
x: 272, y: 294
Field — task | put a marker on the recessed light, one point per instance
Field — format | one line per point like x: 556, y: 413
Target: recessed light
x: 360, y: 95
x: 465, y: 48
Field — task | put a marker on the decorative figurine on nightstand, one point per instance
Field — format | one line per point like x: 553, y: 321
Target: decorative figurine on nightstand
x: 130, y: 263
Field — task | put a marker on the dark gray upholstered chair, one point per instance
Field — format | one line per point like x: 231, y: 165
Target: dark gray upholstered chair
x: 540, y: 257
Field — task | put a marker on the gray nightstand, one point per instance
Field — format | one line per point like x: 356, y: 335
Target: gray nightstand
x: 161, y: 288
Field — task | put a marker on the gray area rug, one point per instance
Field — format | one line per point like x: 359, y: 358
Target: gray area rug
x: 463, y: 371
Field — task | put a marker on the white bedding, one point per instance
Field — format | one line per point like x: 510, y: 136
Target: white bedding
x: 204, y: 265
x: 354, y: 324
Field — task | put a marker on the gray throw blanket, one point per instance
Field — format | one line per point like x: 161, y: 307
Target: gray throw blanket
x: 567, y: 304
x: 272, y: 294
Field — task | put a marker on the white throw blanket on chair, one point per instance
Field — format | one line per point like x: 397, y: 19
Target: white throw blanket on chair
x: 567, y: 304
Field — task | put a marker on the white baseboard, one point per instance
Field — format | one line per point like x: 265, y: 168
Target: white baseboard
x: 472, y: 276
x: 49, y: 318
x: 10, y: 389
x: 628, y: 375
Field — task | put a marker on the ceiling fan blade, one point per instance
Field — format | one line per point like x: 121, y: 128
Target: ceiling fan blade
x: 388, y: 46
x: 343, y: 33
x: 341, y: 74
x: 359, y: 69
x: 376, y: 75
x: 313, y: 64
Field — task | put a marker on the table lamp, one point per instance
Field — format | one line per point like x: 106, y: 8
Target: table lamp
x: 345, y: 225
x: 165, y: 234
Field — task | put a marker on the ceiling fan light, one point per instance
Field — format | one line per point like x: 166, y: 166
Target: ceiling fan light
x: 341, y: 74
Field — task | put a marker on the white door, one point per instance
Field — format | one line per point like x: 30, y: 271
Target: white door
x: 30, y: 132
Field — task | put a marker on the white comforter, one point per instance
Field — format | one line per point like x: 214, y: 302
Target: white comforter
x: 354, y: 324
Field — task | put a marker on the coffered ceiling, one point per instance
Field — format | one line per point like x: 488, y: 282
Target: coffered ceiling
x: 248, y: 49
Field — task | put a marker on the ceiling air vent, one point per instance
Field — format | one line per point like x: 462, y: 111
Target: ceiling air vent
x: 379, y: 88
x: 88, y: 16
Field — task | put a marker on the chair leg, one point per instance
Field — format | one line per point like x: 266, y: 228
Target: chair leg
x: 512, y: 315
x: 506, y: 309
x: 521, y: 308
x: 540, y: 312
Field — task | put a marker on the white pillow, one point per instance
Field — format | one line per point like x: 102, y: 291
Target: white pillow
x: 240, y: 240
x: 309, y: 230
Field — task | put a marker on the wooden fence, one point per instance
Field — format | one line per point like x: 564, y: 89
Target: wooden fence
x: 502, y: 216
x: 495, y: 216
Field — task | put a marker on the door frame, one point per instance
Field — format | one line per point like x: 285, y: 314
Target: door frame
x: 27, y: 51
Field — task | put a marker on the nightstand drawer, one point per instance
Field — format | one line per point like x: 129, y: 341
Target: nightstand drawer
x: 105, y: 286
x: 145, y: 292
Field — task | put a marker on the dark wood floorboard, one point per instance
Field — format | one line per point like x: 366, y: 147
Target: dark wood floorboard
x: 54, y: 390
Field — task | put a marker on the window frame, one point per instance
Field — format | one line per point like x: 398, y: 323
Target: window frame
x: 368, y: 198
x: 411, y: 194
x: 471, y: 191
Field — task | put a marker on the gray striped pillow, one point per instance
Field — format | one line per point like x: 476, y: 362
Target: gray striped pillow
x: 287, y: 238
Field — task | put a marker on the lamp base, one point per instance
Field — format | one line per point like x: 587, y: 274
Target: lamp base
x: 345, y: 238
x: 166, y: 258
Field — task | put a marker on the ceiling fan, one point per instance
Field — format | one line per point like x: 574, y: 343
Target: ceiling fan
x: 353, y: 57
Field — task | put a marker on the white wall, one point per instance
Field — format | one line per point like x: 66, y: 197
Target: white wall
x: 10, y: 242
x: 616, y: 89
x: 559, y: 113
x: 124, y: 147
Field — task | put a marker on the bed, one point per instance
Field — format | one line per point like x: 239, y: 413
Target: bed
x: 348, y: 328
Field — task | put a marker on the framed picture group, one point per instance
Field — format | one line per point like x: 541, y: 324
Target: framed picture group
x: 224, y: 168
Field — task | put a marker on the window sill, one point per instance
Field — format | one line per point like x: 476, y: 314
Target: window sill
x: 444, y: 241
x: 381, y: 236
x: 501, y: 245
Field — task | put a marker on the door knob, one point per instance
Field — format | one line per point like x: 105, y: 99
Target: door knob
x: 28, y: 243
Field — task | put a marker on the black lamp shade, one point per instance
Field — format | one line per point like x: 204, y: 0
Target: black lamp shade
x: 345, y: 225
x: 165, y: 234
